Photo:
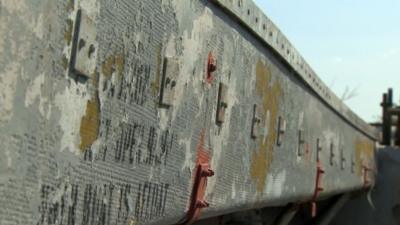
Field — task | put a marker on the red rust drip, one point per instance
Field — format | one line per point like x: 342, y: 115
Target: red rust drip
x: 198, y: 202
x: 318, y: 186
x: 211, y: 67
x: 201, y: 173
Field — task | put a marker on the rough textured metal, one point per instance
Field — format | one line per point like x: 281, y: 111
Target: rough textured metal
x: 102, y: 150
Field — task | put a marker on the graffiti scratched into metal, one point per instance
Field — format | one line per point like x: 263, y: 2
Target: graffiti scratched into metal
x: 90, y: 142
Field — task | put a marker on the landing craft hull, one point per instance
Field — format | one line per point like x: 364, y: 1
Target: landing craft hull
x: 108, y: 107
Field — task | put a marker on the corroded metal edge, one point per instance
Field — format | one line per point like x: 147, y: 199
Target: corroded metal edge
x: 254, y: 19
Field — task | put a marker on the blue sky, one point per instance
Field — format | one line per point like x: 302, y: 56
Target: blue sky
x: 350, y: 44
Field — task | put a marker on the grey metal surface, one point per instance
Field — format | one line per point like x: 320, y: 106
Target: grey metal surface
x: 99, y: 148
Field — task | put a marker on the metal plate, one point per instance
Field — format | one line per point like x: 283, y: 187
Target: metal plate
x: 222, y: 103
x: 256, y: 122
x: 85, y: 45
x: 169, y: 80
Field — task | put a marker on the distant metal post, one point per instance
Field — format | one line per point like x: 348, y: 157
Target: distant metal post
x: 397, y: 141
x: 390, y: 97
x: 389, y: 114
x: 386, y: 131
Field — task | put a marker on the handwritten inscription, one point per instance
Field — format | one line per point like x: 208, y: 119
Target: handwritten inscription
x: 137, y: 144
x: 95, y: 207
x: 102, y: 204
x: 61, y: 211
x: 131, y: 87
x: 131, y: 146
x: 151, y: 200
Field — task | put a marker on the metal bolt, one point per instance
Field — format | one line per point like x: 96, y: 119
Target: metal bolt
x: 202, y: 204
x: 207, y: 173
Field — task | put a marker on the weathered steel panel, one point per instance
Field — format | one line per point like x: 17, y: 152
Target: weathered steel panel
x: 101, y: 145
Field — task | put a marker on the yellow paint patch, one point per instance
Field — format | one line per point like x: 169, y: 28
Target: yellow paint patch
x: 364, y: 152
x: 270, y: 92
x: 120, y: 63
x: 113, y: 63
x: 70, y: 6
x: 90, y: 123
x: 64, y: 62
x: 107, y: 67
x: 68, y: 31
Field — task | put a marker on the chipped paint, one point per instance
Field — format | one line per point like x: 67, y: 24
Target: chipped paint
x: 8, y: 82
x: 72, y: 106
x: 9, y: 158
x: 68, y: 31
x: 90, y: 124
x: 170, y: 49
x: 163, y: 116
x: 233, y: 190
x: 133, y: 222
x: 107, y: 66
x: 34, y: 93
x: 38, y: 26
x: 270, y: 91
x: 34, y: 23
x: 14, y: 6
x: 70, y: 5
x: 188, y: 161
x: 329, y: 137
x: 180, y: 8
x: 193, y: 42
x: 276, y: 184
x: 113, y: 63
x: 34, y: 89
x: 203, y: 154
x: 119, y: 64
x: 91, y: 7
x: 64, y: 62
x: 3, y: 28
x: 155, y: 85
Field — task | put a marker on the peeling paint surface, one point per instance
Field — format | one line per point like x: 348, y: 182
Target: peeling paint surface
x: 8, y: 82
x: 89, y: 128
x: 72, y: 105
x: 71, y: 142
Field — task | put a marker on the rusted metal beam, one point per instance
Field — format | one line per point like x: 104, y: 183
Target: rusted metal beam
x: 163, y: 87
